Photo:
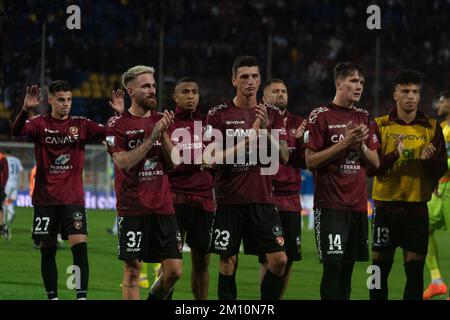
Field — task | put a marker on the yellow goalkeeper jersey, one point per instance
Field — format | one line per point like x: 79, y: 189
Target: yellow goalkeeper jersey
x: 406, y: 180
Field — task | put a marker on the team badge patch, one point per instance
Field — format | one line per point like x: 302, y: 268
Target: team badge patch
x: 306, y: 136
x: 298, y: 242
x: 280, y: 241
x: 277, y: 231
x: 73, y: 130
x: 180, y: 243
x: 77, y: 216
x: 110, y: 140
x: 77, y: 225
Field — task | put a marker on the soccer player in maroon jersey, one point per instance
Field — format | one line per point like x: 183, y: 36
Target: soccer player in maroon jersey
x: 287, y: 181
x: 245, y: 208
x: 141, y: 150
x: 4, y: 173
x: 192, y: 188
x: 340, y: 144
x: 58, y: 197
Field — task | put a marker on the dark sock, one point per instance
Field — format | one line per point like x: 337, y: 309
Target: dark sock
x: 80, y: 259
x: 330, y: 288
x: 49, y: 271
x: 414, y: 280
x: 170, y: 295
x: 271, y: 286
x: 385, y: 268
x: 346, y: 280
x: 227, y: 289
x: 151, y: 296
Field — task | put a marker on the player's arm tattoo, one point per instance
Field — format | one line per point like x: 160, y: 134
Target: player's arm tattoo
x: 284, y: 152
x: 125, y: 160
x: 280, y: 146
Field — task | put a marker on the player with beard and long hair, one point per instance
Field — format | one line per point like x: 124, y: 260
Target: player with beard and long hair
x: 141, y: 150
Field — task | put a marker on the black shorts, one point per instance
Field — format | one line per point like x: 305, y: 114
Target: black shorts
x: 2, y: 195
x: 48, y: 221
x: 259, y: 225
x: 151, y: 238
x: 196, y: 224
x: 341, y: 235
x: 402, y: 225
x: 292, y: 230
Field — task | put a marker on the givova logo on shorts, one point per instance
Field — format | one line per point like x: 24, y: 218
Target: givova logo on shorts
x: 317, y: 214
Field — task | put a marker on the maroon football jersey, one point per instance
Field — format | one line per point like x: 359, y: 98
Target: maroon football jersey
x: 288, y: 179
x: 188, y: 178
x: 242, y: 183
x: 4, y: 171
x: 341, y: 184
x: 144, y: 189
x: 59, y: 154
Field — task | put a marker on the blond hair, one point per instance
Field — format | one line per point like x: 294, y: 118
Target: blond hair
x: 135, y: 71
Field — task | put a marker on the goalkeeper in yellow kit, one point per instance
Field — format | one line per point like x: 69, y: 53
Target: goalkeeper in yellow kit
x: 439, y: 206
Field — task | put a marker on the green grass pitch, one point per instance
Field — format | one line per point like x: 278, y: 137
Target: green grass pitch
x: 20, y: 276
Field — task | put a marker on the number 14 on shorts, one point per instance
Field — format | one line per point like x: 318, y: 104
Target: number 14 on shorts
x: 334, y: 243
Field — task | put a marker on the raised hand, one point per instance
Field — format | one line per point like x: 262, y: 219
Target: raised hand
x: 117, y: 101
x: 428, y: 152
x: 32, y: 99
x: 301, y: 130
x: 353, y: 135
x: 262, y: 117
x: 398, y: 144
x: 164, y: 123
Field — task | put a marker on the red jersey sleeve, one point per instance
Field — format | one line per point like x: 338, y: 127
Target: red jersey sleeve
x: 313, y: 137
x: 4, y: 171
x: 373, y: 142
x: 115, y: 136
x: 24, y: 127
x: 95, y: 132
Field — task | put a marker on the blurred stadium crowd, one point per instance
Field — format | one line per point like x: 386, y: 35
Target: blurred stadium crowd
x: 202, y: 38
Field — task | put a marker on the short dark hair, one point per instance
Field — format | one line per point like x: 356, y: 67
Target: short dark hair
x: 445, y: 94
x: 274, y: 80
x: 59, y: 85
x: 408, y: 76
x: 244, y: 61
x: 344, y: 69
x: 185, y: 79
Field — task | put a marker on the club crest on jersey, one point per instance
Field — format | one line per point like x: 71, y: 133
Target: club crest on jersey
x: 110, y: 141
x: 73, y: 130
x: 306, y: 136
